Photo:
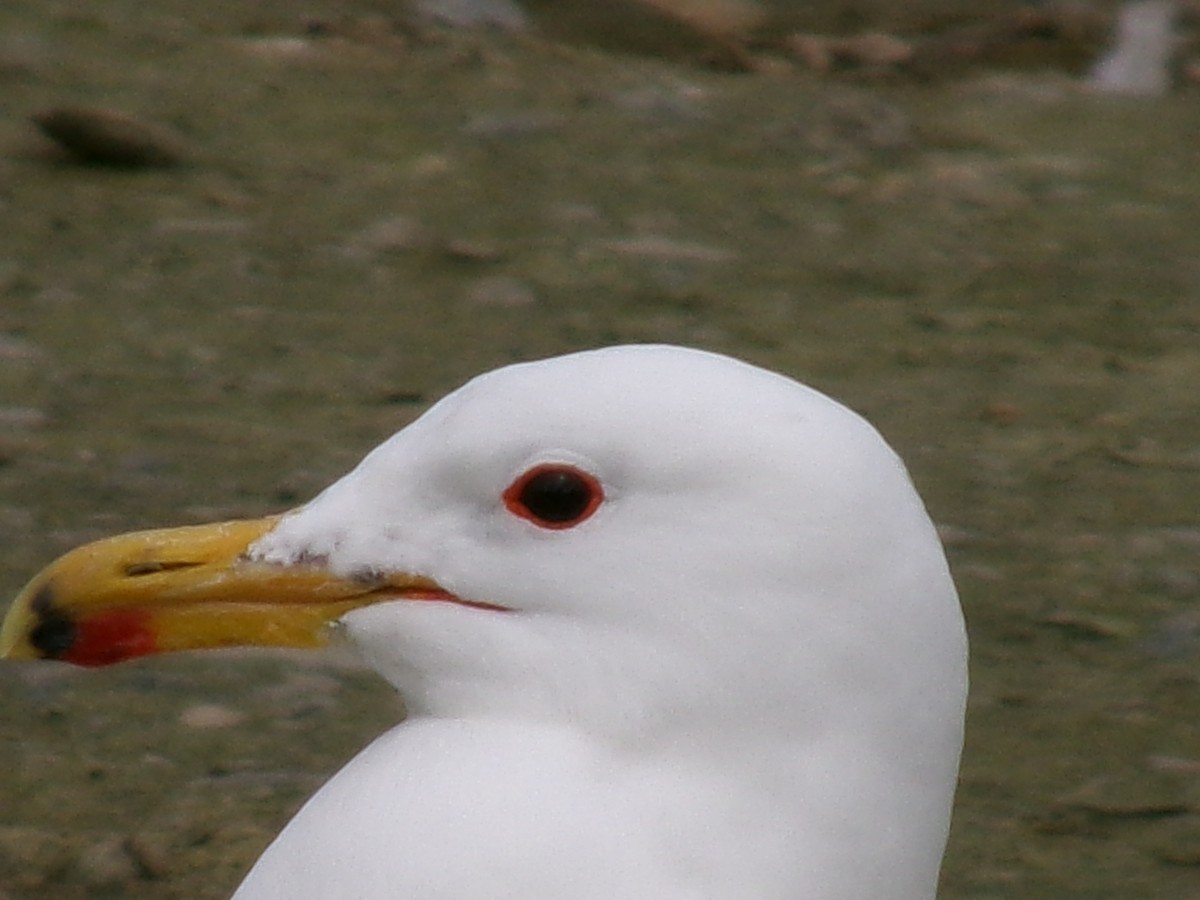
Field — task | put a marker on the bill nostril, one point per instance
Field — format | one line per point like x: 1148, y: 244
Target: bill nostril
x: 149, y: 567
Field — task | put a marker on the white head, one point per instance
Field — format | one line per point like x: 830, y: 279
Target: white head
x: 759, y: 581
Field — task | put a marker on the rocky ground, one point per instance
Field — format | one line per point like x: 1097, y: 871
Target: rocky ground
x: 342, y: 214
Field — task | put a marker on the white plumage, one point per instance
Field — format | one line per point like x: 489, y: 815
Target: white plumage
x: 741, y: 678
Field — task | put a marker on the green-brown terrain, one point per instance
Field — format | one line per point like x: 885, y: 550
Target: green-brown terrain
x: 999, y: 269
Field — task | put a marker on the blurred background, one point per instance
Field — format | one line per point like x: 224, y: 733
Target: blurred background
x: 240, y: 244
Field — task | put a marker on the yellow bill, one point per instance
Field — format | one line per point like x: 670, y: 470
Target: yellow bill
x: 183, y: 589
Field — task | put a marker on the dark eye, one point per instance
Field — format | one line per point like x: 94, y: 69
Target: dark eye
x: 554, y: 496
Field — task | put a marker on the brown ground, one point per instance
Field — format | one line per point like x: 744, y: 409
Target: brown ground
x: 997, y: 268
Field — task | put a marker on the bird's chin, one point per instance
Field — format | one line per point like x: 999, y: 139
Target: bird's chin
x: 413, y: 643
x: 408, y: 620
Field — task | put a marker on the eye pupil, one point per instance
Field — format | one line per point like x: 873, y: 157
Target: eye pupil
x: 554, y: 496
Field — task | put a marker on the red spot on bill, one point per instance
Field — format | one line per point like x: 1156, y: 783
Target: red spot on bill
x: 112, y: 637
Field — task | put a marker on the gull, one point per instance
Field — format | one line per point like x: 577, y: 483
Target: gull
x: 668, y: 626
